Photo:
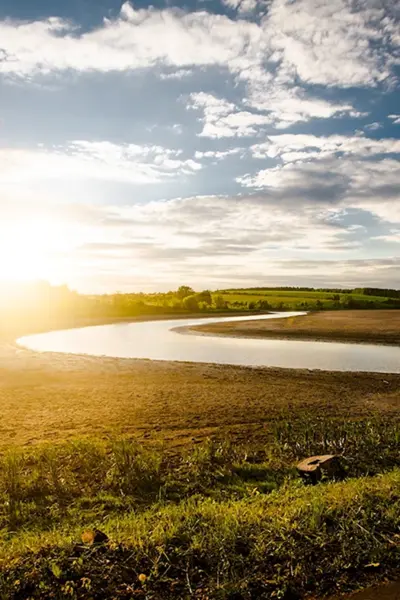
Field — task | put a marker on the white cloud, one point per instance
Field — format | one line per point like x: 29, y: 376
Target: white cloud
x: 292, y: 148
x: 180, y: 74
x: 356, y: 181
x: 223, y: 119
x: 373, y: 126
x: 333, y: 43
x: 395, y: 118
x: 338, y: 43
x: 217, y: 154
x: 98, y: 160
x: 289, y: 105
x: 131, y: 41
x: 242, y: 6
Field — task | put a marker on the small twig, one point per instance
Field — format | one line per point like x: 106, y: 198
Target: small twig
x: 187, y: 579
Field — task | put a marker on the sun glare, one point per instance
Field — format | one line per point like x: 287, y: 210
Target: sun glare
x: 28, y: 251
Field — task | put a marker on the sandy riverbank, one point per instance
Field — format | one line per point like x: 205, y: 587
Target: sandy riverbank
x: 350, y: 326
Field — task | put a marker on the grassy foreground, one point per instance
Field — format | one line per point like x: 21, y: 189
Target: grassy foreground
x: 363, y: 326
x: 215, y: 521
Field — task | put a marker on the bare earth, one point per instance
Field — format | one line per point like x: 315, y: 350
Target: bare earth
x: 390, y: 591
x: 362, y: 326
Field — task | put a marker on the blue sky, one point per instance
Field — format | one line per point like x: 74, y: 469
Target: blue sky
x: 215, y: 144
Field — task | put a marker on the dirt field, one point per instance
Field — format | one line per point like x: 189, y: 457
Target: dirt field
x: 363, y: 326
x: 50, y: 397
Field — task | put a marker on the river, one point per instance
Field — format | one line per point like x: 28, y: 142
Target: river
x: 165, y: 340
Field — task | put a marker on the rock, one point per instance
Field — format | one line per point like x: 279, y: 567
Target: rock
x: 313, y: 468
x: 94, y: 537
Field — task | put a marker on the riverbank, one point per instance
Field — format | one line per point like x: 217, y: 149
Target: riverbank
x: 50, y: 396
x: 350, y: 326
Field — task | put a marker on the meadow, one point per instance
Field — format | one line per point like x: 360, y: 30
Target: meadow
x: 300, y: 299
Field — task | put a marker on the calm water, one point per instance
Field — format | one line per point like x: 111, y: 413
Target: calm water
x: 158, y: 340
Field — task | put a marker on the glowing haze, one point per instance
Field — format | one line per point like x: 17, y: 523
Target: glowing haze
x: 217, y: 144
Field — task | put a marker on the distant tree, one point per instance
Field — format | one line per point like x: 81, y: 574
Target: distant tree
x: 263, y: 305
x: 191, y: 303
x: 203, y: 305
x: 176, y: 304
x: 205, y: 296
x: 184, y: 291
x: 348, y: 302
x: 219, y: 302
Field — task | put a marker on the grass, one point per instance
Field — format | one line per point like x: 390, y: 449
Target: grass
x: 277, y: 546
x: 214, y: 521
x: 380, y: 326
x: 303, y: 300
x: 326, y: 295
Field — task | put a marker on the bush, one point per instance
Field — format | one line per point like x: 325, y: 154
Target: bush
x: 191, y: 303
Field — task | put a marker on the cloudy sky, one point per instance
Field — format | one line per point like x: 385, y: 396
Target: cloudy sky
x: 214, y: 144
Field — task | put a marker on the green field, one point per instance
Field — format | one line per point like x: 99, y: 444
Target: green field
x: 299, y: 299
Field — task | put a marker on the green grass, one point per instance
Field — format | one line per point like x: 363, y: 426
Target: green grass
x: 299, y: 293
x: 210, y: 522
x: 280, y: 545
x: 297, y: 300
x: 287, y: 296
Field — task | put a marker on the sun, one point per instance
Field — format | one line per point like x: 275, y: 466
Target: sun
x: 28, y: 250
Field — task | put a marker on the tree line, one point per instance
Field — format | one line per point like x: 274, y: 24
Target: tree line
x: 42, y: 303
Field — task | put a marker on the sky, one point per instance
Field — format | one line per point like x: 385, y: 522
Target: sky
x: 211, y: 144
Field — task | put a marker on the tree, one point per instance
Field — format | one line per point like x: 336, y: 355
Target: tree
x: 205, y: 296
x: 191, y: 303
x: 219, y: 302
x: 184, y: 291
